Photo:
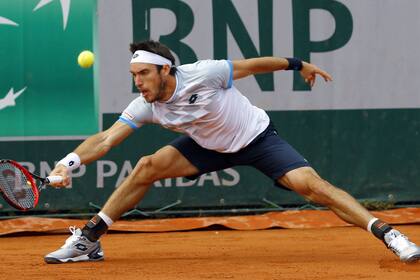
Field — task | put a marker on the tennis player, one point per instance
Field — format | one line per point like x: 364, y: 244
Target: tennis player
x: 222, y: 129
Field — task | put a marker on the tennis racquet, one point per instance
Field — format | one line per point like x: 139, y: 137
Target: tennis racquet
x: 19, y: 187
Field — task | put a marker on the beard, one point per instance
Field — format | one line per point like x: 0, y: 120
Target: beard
x: 160, y: 92
x: 162, y: 89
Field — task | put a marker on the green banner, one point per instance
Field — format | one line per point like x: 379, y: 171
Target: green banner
x: 346, y: 147
x: 43, y: 91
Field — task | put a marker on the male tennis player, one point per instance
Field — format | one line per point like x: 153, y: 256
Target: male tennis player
x: 222, y: 129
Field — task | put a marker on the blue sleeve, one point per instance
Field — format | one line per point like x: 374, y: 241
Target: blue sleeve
x: 137, y: 113
x: 128, y: 122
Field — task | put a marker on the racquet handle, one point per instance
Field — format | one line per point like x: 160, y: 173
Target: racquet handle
x: 54, y: 179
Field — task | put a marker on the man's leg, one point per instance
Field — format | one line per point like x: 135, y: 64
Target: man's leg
x: 306, y: 182
x: 83, y: 245
x: 167, y: 162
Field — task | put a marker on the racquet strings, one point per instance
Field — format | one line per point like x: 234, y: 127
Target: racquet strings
x: 16, y: 187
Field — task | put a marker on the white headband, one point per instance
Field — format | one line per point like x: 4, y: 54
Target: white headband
x: 148, y: 57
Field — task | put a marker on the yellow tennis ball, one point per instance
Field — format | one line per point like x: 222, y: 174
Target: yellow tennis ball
x: 86, y: 59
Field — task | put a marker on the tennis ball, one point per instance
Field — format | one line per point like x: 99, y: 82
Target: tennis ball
x: 86, y: 59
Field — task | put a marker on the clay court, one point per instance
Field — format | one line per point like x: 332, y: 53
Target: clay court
x: 314, y: 246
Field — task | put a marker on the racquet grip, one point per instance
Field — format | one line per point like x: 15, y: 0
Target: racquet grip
x: 54, y: 179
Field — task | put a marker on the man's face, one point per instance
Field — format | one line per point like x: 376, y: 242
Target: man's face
x: 148, y: 81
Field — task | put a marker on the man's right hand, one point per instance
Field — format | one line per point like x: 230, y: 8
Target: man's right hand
x: 61, y: 170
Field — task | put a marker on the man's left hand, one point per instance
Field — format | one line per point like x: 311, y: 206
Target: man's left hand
x: 310, y: 71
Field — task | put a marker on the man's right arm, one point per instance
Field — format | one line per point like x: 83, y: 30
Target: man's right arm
x: 94, y: 147
x: 99, y: 144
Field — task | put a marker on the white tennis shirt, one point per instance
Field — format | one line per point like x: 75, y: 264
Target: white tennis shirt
x: 205, y: 106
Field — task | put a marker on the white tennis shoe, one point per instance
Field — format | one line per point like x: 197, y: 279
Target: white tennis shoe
x: 402, y: 247
x: 77, y: 248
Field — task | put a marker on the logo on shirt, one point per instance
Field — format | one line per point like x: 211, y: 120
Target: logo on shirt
x: 193, y: 98
x: 128, y: 116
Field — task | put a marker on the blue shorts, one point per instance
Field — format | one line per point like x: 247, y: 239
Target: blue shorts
x: 268, y: 153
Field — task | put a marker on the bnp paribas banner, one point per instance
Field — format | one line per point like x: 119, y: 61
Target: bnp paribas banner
x: 43, y: 92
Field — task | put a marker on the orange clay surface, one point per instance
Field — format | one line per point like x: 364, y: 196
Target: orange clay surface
x: 327, y: 253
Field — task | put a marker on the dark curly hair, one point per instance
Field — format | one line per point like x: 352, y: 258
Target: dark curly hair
x: 157, y: 48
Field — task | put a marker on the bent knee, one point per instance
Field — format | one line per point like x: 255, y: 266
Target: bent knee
x: 145, y: 171
x: 307, y: 183
x: 144, y: 162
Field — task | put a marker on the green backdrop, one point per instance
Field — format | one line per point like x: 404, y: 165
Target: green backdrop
x: 371, y: 154
x: 39, y: 54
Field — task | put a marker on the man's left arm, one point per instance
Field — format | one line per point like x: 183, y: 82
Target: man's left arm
x: 252, y: 66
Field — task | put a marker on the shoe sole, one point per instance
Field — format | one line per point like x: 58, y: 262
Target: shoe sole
x: 50, y: 260
x: 94, y: 256
x: 412, y: 259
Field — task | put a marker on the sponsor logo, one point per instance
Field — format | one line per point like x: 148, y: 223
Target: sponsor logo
x: 94, y: 221
x: 9, y: 99
x: 193, y: 98
x: 81, y: 247
x: 130, y: 117
x: 65, y: 8
x: 7, y: 21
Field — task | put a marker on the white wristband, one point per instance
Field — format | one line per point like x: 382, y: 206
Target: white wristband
x: 71, y: 161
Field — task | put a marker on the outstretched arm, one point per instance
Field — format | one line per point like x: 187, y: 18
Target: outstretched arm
x: 99, y: 144
x: 252, y: 66
x: 95, y: 147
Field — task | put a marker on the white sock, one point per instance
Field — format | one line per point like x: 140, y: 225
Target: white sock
x: 108, y: 221
x: 369, y: 226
